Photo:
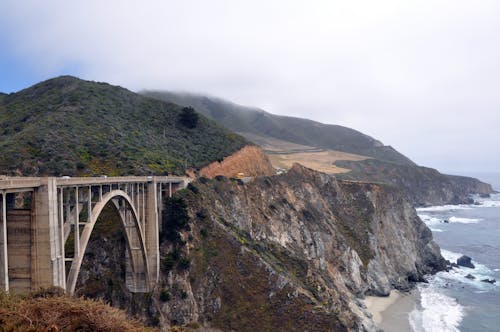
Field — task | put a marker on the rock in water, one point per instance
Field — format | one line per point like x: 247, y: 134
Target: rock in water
x: 490, y: 281
x: 465, y: 261
x: 470, y: 276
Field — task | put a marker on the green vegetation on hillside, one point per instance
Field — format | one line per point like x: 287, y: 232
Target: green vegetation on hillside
x: 246, y: 120
x: 67, y: 126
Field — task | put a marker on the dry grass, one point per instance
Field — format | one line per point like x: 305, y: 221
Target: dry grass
x: 321, y: 161
x: 62, y: 313
x: 284, y: 154
x: 272, y: 144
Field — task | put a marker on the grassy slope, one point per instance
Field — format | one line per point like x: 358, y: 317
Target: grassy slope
x: 70, y: 126
x: 300, y: 131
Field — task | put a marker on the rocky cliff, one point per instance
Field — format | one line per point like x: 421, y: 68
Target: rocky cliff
x: 422, y: 185
x: 291, y: 252
x: 294, y: 252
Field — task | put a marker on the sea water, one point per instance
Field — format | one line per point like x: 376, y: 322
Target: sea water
x: 450, y: 301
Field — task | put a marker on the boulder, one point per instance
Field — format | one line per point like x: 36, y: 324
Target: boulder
x: 465, y: 261
x: 490, y: 281
x: 470, y: 276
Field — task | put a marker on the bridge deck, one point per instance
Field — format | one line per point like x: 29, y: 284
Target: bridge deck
x: 28, y: 183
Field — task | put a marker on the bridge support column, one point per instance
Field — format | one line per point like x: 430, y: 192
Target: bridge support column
x: 4, y: 266
x: 47, y: 251
x: 151, y: 233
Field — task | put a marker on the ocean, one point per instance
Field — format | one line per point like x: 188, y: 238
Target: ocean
x: 450, y: 301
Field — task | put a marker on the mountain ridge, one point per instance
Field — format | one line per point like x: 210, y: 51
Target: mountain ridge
x: 69, y: 126
x: 421, y: 185
x: 242, y: 119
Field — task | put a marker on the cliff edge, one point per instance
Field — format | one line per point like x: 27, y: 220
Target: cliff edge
x: 423, y: 186
x: 290, y: 252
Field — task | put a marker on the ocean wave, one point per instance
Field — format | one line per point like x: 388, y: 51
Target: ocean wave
x: 438, y: 208
x: 464, y: 220
x: 458, y: 275
x: 438, y: 312
x: 435, y: 229
x: 489, y: 204
x: 429, y: 220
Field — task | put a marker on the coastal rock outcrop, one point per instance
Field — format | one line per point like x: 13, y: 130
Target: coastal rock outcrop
x: 465, y: 261
x: 293, y: 252
x: 423, y: 186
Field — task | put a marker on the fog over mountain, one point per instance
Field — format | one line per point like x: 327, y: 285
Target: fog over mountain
x: 422, y: 76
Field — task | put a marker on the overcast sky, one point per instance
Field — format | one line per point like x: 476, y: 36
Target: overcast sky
x: 422, y: 76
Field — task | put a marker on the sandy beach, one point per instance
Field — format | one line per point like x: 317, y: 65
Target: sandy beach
x: 391, y: 313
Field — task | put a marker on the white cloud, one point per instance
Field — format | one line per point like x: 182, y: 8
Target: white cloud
x: 422, y: 76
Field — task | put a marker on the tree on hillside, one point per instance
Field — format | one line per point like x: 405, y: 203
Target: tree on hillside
x: 188, y: 117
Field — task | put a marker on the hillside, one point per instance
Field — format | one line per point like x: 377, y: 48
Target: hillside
x: 252, y: 122
x: 421, y: 185
x: 68, y: 126
x: 332, y: 149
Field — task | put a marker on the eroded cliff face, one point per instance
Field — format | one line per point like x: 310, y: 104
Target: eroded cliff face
x: 422, y: 186
x: 250, y: 161
x: 290, y: 252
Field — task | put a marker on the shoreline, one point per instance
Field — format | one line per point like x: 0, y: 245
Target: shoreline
x: 391, y: 313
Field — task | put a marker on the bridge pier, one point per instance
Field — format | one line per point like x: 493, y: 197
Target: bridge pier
x: 152, y: 232
x: 4, y: 266
x: 48, y: 253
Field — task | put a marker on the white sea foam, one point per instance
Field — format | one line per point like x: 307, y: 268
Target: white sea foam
x: 458, y: 275
x: 489, y: 204
x: 444, y: 208
x: 429, y: 220
x: 439, y: 312
x: 464, y: 220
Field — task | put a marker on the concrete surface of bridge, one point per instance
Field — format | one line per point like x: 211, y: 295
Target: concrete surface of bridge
x: 41, y: 216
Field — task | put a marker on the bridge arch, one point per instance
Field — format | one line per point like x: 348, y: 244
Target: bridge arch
x: 135, y: 241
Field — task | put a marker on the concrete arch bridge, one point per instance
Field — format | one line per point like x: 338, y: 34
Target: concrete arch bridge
x: 42, y: 216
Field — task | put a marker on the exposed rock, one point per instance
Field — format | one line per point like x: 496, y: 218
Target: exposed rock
x: 490, y: 281
x: 250, y: 161
x: 292, y: 252
x: 470, y: 276
x: 296, y: 252
x: 465, y: 261
x: 423, y: 186
x: 446, y: 221
x: 484, y: 195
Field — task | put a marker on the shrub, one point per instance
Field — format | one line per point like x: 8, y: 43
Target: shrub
x: 188, y: 117
x: 165, y: 295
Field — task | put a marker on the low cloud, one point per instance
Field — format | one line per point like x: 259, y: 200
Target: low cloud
x: 422, y: 76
